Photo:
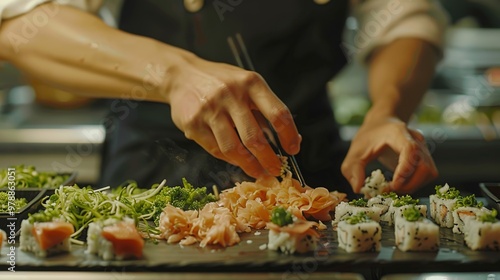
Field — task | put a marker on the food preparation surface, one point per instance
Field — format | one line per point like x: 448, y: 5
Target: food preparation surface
x: 249, y: 255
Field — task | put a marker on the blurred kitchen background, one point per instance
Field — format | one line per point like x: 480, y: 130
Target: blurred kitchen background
x: 460, y: 115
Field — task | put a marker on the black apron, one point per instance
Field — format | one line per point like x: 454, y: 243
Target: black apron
x: 294, y: 45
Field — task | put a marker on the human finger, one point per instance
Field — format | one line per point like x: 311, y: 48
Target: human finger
x: 231, y: 147
x: 251, y: 135
x: 277, y: 113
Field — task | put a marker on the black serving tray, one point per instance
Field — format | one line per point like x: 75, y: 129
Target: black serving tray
x: 491, y: 192
x: 34, y: 199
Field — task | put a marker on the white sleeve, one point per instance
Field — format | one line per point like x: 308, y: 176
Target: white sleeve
x: 383, y: 21
x: 12, y: 8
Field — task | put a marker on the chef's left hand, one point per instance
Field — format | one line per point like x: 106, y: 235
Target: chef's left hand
x: 398, y: 147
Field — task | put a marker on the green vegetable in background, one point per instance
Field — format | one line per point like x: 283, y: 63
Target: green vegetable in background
x: 81, y: 206
x: 4, y: 202
x: 29, y: 177
x: 281, y: 217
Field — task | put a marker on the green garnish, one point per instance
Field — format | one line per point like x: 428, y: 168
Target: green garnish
x: 29, y: 177
x: 81, y: 206
x: 446, y: 192
x: 468, y: 201
x: 405, y: 200
x: 281, y: 217
x: 360, y: 217
x: 19, y: 203
x: 412, y: 214
x: 392, y: 195
x: 488, y: 218
x: 359, y: 202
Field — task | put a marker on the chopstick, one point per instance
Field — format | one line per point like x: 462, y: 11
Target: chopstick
x: 272, y: 138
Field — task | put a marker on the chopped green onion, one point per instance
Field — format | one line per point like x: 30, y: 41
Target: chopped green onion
x: 360, y: 217
x: 281, y: 217
x: 412, y: 214
x: 405, y: 200
x: 488, y: 218
x: 468, y: 201
x: 359, y: 202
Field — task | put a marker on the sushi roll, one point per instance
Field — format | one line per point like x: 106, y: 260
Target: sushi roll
x: 290, y: 235
x: 359, y: 233
x: 375, y: 184
x: 400, y: 204
x: 383, y: 201
x: 442, y: 204
x: 414, y: 232
x: 346, y: 209
x: 483, y: 232
x: 114, y: 239
x: 465, y: 208
x: 45, y: 238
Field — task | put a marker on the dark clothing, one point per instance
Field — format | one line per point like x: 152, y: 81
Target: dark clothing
x: 294, y: 45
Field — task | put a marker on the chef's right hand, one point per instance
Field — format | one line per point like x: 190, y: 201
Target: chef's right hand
x: 222, y: 108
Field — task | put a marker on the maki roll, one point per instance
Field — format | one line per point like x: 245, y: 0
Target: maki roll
x: 353, y: 207
x: 483, y: 232
x: 114, y: 239
x: 375, y: 184
x: 466, y: 207
x: 359, y: 233
x: 442, y: 203
x: 45, y: 238
x: 290, y: 235
x: 414, y: 232
x: 383, y: 201
x: 400, y: 204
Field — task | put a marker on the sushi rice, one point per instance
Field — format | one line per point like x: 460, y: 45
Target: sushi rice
x: 28, y: 242
x: 362, y: 235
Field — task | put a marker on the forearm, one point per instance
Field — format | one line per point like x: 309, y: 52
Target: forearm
x: 399, y: 76
x: 77, y: 52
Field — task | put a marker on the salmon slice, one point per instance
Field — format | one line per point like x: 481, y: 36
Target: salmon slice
x: 125, y: 238
x: 49, y: 234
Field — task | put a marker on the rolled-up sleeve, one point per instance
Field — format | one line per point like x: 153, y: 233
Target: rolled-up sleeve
x: 13, y: 8
x: 383, y: 21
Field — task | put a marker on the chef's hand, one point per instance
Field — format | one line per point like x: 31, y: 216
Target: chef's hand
x: 399, y: 148
x: 221, y: 107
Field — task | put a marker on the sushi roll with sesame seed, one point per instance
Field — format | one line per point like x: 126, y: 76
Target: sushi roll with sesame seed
x: 400, y: 204
x: 359, y: 233
x: 442, y: 204
x: 383, y: 201
x: 375, y: 184
x: 290, y: 235
x: 353, y: 207
x: 414, y: 232
x: 483, y: 232
x: 466, y: 207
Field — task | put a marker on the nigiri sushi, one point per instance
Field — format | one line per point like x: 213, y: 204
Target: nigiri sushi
x: 114, y: 239
x: 290, y: 235
x: 45, y: 238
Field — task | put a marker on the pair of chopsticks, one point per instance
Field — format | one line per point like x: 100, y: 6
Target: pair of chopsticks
x: 270, y: 132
